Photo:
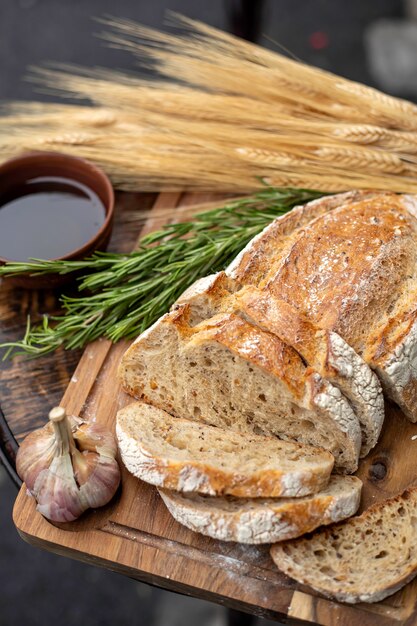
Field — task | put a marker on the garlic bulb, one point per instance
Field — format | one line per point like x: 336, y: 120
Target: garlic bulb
x: 69, y: 466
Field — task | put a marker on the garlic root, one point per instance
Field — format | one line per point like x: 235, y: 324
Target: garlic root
x: 69, y: 466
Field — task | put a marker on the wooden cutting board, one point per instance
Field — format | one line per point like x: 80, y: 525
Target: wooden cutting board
x: 135, y: 535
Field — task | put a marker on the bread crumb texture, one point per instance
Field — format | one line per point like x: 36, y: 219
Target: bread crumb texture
x: 364, y: 559
x: 194, y: 457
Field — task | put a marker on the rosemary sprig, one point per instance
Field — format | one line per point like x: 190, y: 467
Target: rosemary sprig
x: 122, y: 294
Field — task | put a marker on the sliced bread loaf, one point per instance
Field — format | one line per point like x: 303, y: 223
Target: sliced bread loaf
x: 353, y: 270
x: 227, y: 373
x: 321, y: 349
x: 193, y: 457
x: 365, y: 559
x: 264, y: 520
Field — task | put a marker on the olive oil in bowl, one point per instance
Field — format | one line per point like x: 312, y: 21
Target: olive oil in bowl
x: 48, y: 217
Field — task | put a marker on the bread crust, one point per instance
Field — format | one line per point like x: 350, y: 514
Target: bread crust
x: 264, y: 520
x: 206, y: 297
x: 254, y: 261
x: 392, y: 353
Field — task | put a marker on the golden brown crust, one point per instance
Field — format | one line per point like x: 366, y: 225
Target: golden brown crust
x: 348, y: 264
x: 261, y: 348
x: 206, y: 297
x: 254, y: 262
x: 267, y: 484
x: 383, y: 341
x: 277, y: 316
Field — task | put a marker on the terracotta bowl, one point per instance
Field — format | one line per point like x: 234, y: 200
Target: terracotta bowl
x: 35, y: 164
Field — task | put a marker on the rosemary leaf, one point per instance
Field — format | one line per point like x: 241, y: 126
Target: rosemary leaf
x: 120, y: 295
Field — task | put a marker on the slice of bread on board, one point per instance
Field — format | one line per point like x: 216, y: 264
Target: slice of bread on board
x: 193, y: 457
x: 264, y: 520
x: 364, y: 559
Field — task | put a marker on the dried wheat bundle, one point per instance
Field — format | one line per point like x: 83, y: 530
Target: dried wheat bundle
x: 222, y: 114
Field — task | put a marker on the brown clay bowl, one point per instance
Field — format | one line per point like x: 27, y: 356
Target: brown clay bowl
x: 31, y: 165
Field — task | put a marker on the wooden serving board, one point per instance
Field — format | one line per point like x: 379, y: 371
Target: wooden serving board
x: 135, y: 535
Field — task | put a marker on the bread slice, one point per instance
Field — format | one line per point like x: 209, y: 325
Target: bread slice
x: 365, y: 559
x: 323, y: 350
x: 392, y: 352
x: 228, y: 373
x: 264, y: 520
x: 193, y: 457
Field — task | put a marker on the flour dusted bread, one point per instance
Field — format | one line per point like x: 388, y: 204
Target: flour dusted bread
x: 228, y: 373
x: 349, y: 264
x: 364, y: 559
x: 193, y: 457
x: 275, y: 242
x: 264, y: 520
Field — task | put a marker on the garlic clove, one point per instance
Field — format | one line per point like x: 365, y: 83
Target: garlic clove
x: 84, y: 464
x: 56, y: 492
x: 35, y: 454
x: 102, y: 483
x: 98, y: 477
x: 95, y: 438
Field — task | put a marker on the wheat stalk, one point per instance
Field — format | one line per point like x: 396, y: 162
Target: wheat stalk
x: 231, y: 115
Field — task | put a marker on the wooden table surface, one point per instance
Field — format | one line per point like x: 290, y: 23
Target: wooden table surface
x: 135, y: 534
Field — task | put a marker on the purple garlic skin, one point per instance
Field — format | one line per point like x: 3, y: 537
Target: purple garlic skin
x: 69, y: 466
x: 35, y: 454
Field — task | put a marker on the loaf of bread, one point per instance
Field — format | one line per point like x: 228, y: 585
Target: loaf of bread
x: 329, y: 288
x: 264, y: 520
x: 364, y: 559
x: 349, y: 264
x: 193, y: 457
x: 297, y: 339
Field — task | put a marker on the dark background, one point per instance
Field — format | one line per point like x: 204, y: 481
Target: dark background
x: 371, y: 41
x: 327, y: 33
